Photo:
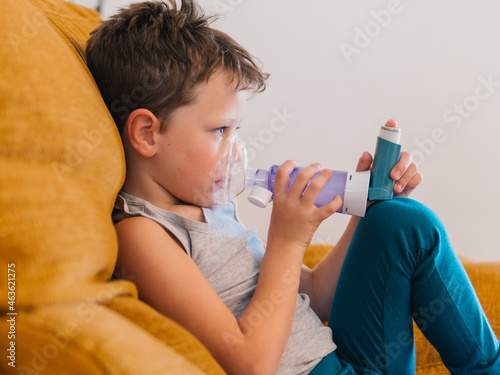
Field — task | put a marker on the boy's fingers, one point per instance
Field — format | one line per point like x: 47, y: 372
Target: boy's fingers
x: 330, y: 208
x: 410, y: 180
x: 303, y: 179
x: 405, y: 161
x: 365, y: 162
x: 282, y: 181
x: 415, y: 181
x: 315, y: 186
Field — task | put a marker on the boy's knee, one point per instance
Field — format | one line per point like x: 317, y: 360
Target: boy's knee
x: 399, y: 233
x: 399, y: 209
x: 402, y: 215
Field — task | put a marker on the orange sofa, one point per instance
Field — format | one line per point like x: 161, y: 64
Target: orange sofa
x: 62, y: 165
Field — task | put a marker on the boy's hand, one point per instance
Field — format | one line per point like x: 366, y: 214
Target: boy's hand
x: 405, y: 172
x: 295, y: 218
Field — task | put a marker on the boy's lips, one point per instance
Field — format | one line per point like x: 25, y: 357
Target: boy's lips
x: 220, y: 183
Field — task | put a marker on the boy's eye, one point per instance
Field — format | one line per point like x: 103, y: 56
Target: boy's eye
x: 220, y: 130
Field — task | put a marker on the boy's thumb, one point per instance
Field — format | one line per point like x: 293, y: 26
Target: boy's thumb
x: 365, y: 162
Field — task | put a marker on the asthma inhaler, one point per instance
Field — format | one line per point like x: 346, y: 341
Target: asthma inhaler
x: 352, y: 187
x: 387, y: 153
x: 232, y: 176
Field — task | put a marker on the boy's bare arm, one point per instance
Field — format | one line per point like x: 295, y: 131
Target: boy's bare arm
x: 169, y: 281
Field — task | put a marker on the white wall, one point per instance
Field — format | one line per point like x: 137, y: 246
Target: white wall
x: 426, y: 64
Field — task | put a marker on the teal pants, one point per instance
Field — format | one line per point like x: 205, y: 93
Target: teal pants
x: 400, y: 267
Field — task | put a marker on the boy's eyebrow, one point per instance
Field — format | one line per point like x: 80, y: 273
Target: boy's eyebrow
x: 230, y: 122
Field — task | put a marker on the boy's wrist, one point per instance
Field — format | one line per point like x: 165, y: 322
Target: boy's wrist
x: 276, y: 243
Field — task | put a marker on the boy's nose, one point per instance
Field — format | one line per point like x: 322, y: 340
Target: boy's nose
x: 233, y: 148
x: 240, y: 154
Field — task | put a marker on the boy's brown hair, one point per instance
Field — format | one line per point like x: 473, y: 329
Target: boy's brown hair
x: 153, y: 54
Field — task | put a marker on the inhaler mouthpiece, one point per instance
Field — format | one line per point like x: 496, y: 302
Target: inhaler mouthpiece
x: 230, y: 171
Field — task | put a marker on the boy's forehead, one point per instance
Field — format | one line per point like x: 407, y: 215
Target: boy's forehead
x: 220, y: 81
x: 216, y: 103
x: 219, y: 93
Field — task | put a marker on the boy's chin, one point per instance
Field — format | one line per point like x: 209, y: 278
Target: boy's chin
x: 206, y: 204
x: 215, y: 197
x: 204, y: 201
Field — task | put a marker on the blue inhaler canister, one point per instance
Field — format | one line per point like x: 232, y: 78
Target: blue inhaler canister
x: 387, y: 153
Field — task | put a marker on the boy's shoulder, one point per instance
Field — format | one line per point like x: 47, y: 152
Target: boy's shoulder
x: 139, y: 233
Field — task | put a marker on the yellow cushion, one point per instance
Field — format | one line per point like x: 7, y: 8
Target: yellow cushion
x: 60, y: 156
x: 86, y: 339
x: 176, y: 337
x: 314, y: 254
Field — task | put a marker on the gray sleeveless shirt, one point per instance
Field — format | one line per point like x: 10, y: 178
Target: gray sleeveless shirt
x: 229, y: 257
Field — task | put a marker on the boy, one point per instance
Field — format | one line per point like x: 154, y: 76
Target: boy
x: 197, y: 264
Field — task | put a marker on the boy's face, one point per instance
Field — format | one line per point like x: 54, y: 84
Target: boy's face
x: 189, y: 148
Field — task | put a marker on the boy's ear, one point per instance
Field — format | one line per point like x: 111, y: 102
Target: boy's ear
x: 142, y: 127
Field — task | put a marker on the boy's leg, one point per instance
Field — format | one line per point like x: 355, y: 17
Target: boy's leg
x: 400, y: 265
